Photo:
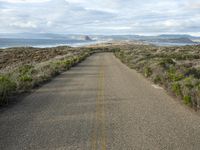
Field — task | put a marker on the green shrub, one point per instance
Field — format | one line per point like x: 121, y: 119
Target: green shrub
x: 67, y: 63
x: 25, y: 82
x: 198, y: 87
x: 171, y: 70
x: 147, y: 71
x: 26, y: 69
x: 176, y: 88
x: 166, y: 62
x: 173, y: 67
x: 188, y: 82
x: 25, y: 78
x: 7, y: 86
x: 54, y: 69
x: 176, y: 77
x: 193, y: 72
x: 157, y: 79
x: 173, y: 75
x: 61, y: 65
x: 75, y: 60
x: 115, y: 50
x: 187, y: 99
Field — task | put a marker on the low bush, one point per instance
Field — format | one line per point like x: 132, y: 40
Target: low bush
x: 28, y: 76
x: 157, y: 79
x: 176, y: 88
x: 175, y: 68
x: 193, y: 72
x: 26, y: 69
x: 147, y: 72
x: 25, y: 77
x: 7, y: 86
x: 187, y: 99
x: 174, y: 75
x: 188, y: 82
x: 165, y: 63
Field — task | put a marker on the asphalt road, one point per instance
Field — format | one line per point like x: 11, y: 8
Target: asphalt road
x: 99, y: 105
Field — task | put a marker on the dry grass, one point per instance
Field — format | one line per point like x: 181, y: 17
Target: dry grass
x: 175, y: 68
x: 15, y: 79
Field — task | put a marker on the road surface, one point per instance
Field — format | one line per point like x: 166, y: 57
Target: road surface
x: 99, y: 105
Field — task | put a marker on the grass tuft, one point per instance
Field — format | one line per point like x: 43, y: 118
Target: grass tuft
x: 7, y: 86
x: 187, y: 99
x: 147, y: 72
x: 176, y: 88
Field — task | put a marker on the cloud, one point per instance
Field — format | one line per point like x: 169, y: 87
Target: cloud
x: 195, y: 5
x: 28, y: 24
x: 100, y: 16
x: 24, y: 1
x: 171, y: 23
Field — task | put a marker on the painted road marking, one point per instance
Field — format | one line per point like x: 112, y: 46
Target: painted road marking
x: 99, y: 134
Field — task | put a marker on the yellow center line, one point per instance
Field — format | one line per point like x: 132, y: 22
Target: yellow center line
x: 94, y: 137
x: 103, y: 112
x: 99, y: 125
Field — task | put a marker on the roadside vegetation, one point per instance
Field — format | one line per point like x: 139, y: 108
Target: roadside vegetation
x: 177, y: 69
x: 23, y: 69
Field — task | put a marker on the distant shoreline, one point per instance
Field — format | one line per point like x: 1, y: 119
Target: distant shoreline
x: 49, y: 43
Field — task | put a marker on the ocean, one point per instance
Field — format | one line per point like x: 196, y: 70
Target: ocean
x: 41, y: 43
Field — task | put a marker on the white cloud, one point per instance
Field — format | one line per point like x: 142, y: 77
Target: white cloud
x: 195, y: 5
x: 24, y: 1
x: 116, y: 28
x: 28, y: 24
x: 171, y: 23
x: 76, y: 1
x: 100, y: 16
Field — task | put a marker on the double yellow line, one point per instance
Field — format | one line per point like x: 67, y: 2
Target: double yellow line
x: 99, y: 135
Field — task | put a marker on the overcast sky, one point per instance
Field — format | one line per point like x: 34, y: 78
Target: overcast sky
x: 100, y: 16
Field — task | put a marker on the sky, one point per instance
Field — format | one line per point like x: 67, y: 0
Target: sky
x: 145, y: 17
